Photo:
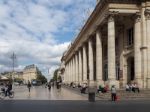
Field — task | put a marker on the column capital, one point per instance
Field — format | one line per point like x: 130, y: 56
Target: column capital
x: 147, y: 14
x: 137, y: 17
x: 99, y: 30
x: 80, y: 48
x: 110, y: 15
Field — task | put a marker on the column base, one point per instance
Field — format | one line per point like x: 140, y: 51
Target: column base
x: 76, y: 83
x: 92, y: 83
x: 139, y: 82
x: 85, y: 81
x: 113, y: 82
x: 92, y: 86
x: 99, y: 82
x: 148, y: 83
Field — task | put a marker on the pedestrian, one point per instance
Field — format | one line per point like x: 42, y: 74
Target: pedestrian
x: 46, y: 85
x: 29, y: 86
x: 83, y: 88
x: 113, y: 93
x: 136, y: 88
x: 49, y: 86
x: 8, y: 89
x: 127, y: 87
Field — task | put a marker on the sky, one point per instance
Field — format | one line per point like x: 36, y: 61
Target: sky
x: 39, y: 31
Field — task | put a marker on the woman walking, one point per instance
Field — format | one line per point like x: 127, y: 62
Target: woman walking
x: 113, y: 93
x: 29, y: 86
x: 49, y: 86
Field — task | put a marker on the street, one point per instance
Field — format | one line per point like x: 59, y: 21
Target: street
x: 72, y: 106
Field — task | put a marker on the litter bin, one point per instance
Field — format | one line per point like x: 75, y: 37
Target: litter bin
x: 92, y: 97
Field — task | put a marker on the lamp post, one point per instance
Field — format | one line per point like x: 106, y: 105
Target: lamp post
x: 91, y: 89
x: 13, y: 57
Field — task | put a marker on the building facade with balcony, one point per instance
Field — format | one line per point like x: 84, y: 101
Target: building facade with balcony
x: 113, y: 47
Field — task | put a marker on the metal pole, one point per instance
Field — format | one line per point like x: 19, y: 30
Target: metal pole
x: 13, y: 57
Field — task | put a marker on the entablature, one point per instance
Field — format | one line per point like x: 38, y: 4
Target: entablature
x: 99, y: 17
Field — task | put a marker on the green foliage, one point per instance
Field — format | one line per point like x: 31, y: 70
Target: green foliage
x: 55, y: 75
x: 4, y: 73
x: 41, y: 77
x: 18, y: 79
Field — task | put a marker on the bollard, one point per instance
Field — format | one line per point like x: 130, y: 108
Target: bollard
x: 91, y: 97
x: 91, y: 94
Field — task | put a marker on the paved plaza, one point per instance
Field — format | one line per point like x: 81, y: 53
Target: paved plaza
x: 42, y: 93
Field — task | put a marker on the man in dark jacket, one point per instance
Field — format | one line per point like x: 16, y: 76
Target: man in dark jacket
x: 9, y: 88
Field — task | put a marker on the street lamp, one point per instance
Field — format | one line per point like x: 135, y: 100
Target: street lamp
x: 91, y: 89
x: 13, y: 57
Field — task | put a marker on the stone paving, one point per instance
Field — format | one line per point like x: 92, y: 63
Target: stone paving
x: 42, y: 93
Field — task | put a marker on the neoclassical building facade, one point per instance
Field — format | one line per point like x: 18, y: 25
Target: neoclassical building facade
x: 29, y: 73
x: 113, y: 47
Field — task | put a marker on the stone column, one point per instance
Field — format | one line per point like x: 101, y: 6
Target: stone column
x: 137, y: 52
x: 111, y: 53
x: 73, y: 79
x: 144, y: 47
x: 99, y: 65
x: 74, y: 69
x: 91, y: 74
x: 147, y: 14
x: 76, y: 59
x: 80, y: 67
x: 84, y: 64
x: 66, y: 75
x: 71, y: 71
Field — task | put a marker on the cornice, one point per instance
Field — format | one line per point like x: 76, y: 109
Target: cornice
x: 100, y: 5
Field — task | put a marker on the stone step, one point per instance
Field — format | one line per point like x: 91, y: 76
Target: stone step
x: 122, y: 94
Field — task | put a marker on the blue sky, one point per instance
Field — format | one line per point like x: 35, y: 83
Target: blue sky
x: 39, y: 31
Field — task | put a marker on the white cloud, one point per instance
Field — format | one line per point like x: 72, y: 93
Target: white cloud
x: 32, y: 29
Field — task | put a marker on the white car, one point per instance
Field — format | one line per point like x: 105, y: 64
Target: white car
x: 16, y: 83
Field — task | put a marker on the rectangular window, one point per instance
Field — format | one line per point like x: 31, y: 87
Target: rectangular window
x: 130, y: 35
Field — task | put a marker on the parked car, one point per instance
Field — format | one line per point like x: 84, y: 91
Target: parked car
x: 36, y: 83
x: 16, y: 83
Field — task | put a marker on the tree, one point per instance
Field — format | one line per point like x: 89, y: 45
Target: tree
x: 55, y: 75
x: 19, y: 80
x: 41, y: 77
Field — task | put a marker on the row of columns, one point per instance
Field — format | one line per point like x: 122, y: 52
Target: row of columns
x: 79, y: 69
x: 147, y: 14
x: 79, y: 66
x: 142, y: 48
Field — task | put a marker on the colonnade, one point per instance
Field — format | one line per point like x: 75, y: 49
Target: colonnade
x: 80, y: 67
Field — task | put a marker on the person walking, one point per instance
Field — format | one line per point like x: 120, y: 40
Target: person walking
x: 113, y: 93
x: 49, y: 86
x: 8, y: 89
x: 29, y: 86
